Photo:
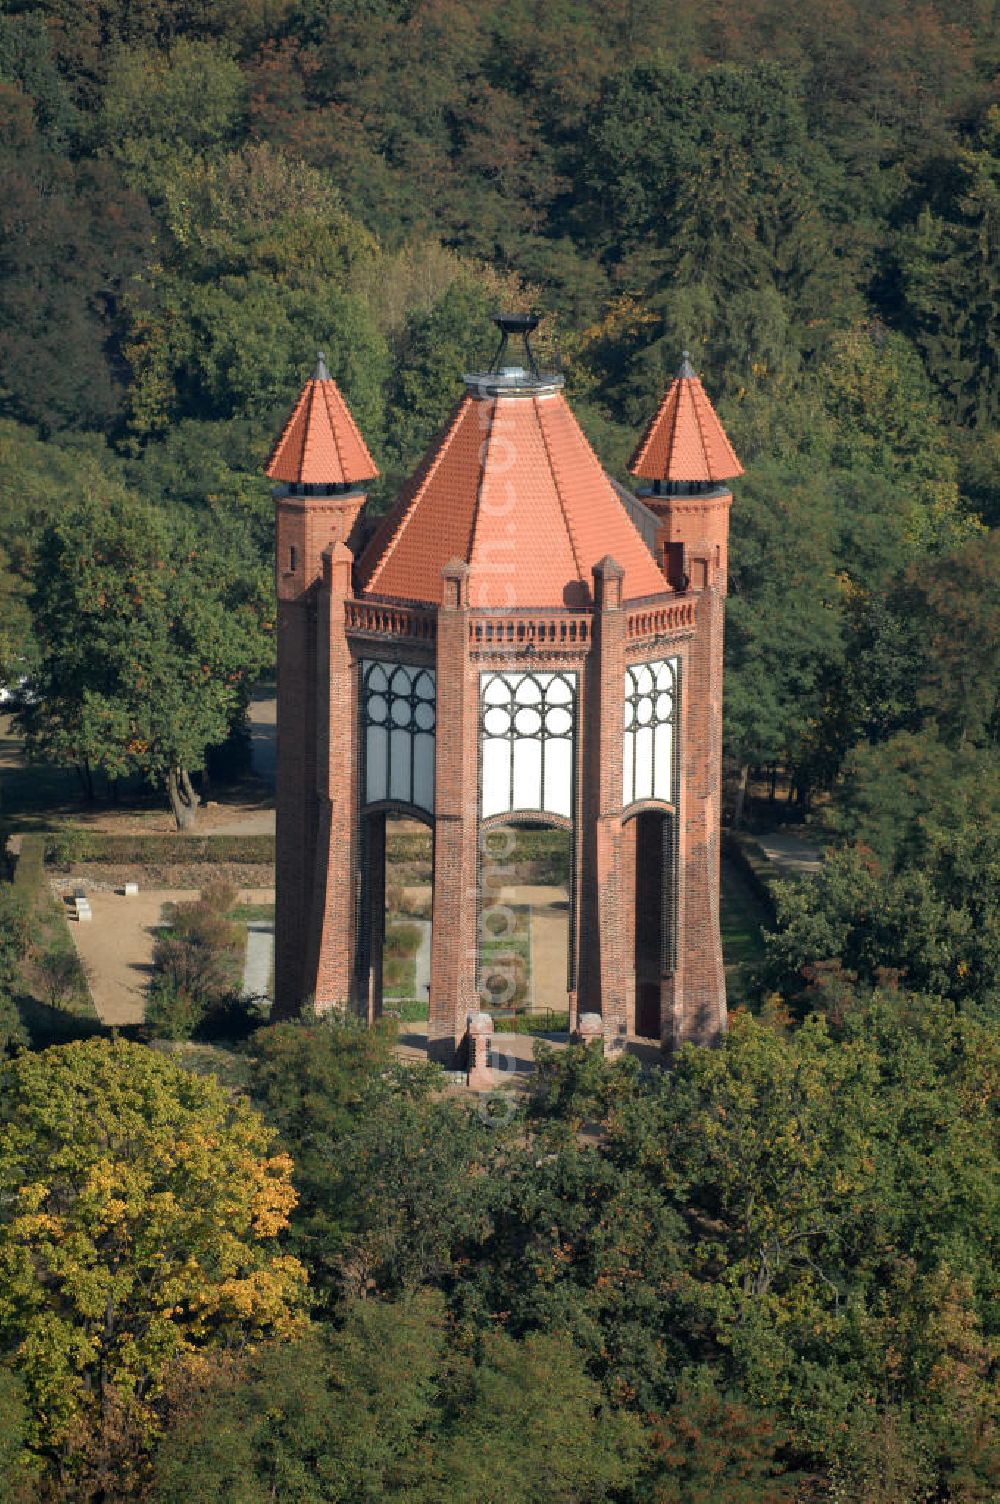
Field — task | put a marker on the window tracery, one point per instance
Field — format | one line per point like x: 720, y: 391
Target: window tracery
x: 527, y: 731
x: 398, y: 717
x: 650, y: 716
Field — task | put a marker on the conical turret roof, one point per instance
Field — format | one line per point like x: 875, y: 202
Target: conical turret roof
x: 685, y: 440
x: 320, y: 444
x: 513, y: 488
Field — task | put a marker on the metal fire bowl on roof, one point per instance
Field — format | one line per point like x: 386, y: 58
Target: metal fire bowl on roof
x: 517, y: 323
x: 512, y: 381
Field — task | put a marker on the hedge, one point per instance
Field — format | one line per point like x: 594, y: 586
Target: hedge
x: 65, y: 846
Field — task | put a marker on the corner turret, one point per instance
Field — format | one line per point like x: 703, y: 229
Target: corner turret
x: 687, y: 458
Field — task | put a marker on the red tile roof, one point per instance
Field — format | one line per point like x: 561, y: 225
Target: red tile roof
x: 685, y: 440
x: 320, y: 444
x: 514, y: 489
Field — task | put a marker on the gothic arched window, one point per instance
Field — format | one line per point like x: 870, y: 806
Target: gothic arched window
x: 650, y: 718
x: 397, y: 720
x: 527, y: 726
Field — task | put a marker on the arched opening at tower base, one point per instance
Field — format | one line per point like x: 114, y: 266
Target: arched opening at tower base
x: 397, y: 906
x: 649, y: 870
x: 525, y: 960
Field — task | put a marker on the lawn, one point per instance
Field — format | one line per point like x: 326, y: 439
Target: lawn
x: 742, y: 918
x: 53, y: 999
x: 399, y: 958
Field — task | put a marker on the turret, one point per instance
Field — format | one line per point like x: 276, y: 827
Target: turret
x: 322, y: 467
x: 686, y: 458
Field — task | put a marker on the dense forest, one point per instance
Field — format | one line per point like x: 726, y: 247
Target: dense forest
x: 196, y: 197
x: 768, y: 1275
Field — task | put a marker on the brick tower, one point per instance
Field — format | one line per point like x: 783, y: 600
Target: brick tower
x: 686, y: 459
x: 518, y: 641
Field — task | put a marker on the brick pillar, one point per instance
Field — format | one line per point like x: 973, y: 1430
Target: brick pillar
x: 699, y: 986
x: 306, y: 525
x: 692, y: 544
x: 671, y: 985
x: 330, y: 953
x: 295, y: 792
x: 629, y: 833
x: 603, y: 963
x: 373, y: 913
x: 478, y: 1049
x: 295, y: 799
x: 456, y: 820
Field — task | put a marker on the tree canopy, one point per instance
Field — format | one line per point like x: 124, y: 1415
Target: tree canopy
x: 147, y: 640
x: 140, y: 1209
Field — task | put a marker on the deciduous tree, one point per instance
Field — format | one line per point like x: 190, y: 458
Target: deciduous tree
x: 146, y: 641
x: 139, y: 1212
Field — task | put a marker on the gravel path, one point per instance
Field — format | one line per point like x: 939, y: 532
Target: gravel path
x: 263, y: 716
x: 117, y: 946
x: 422, y: 961
x: 792, y: 854
x: 117, y: 949
x: 259, y: 962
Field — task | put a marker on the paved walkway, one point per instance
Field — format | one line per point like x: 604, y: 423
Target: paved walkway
x: 257, y: 822
x: 792, y: 854
x: 259, y: 963
x: 263, y: 715
x: 117, y: 946
x: 549, y: 942
x: 422, y: 961
x: 513, y: 1054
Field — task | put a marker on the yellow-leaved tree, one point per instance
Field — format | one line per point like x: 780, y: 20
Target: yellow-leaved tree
x: 140, y: 1208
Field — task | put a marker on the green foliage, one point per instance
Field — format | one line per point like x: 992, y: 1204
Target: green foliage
x: 711, y: 190
x: 26, y: 60
x: 161, y: 110
x: 402, y: 939
x: 776, y: 1261
x: 13, y: 1035
x: 197, y: 964
x: 80, y: 845
x: 146, y: 641
x: 63, y: 977
x: 937, y: 924
x: 903, y: 797
x: 197, y: 974
x: 887, y: 424
x: 172, y: 1011
x: 330, y: 1420
x: 709, y: 1441
x: 257, y: 210
x: 576, y: 1084
x: 909, y: 676
x: 434, y: 349
x: 783, y: 615
x: 15, y: 1482
x: 15, y: 933
x: 957, y: 607
x: 951, y: 287
x: 72, y: 239
x: 29, y: 873
x: 802, y: 1167
x: 14, y: 624
x: 310, y: 1079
